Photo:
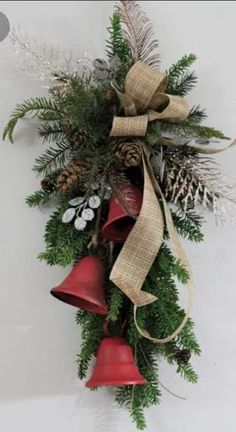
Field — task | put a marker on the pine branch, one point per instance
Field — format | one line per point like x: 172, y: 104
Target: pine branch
x: 53, y: 158
x: 187, y: 339
x: 168, y: 263
x: 52, y: 131
x: 137, y: 414
x: 188, y: 225
x: 38, y: 198
x: 187, y: 372
x: 116, y: 45
x: 63, y: 243
x: 116, y: 302
x: 183, y: 85
x: 92, y: 334
x: 197, y: 115
x: 190, y: 129
x: 139, y: 32
x: 38, y: 107
x: 127, y: 396
x: 177, y: 71
x: 180, y: 272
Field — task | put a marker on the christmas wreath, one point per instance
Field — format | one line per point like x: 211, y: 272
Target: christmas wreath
x: 128, y: 171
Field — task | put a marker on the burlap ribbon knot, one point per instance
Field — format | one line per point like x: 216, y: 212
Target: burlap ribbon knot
x: 144, y: 94
x: 144, y: 89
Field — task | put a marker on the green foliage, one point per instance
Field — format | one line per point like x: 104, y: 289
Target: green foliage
x: 63, y: 243
x: 187, y: 339
x: 154, y: 133
x: 116, y: 45
x: 92, y: 334
x: 87, y: 109
x: 41, y: 196
x: 53, y: 158
x: 37, y: 107
x: 53, y: 131
x: 127, y: 397
x: 116, y: 301
x: 197, y: 115
x: 187, y: 372
x: 188, y: 225
x: 37, y: 198
x: 185, y: 84
x: 191, y: 129
x: 180, y: 80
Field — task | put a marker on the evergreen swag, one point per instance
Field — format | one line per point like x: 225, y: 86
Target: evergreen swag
x: 75, y: 122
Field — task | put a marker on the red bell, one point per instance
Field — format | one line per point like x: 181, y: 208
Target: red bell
x: 115, y: 365
x: 120, y: 221
x: 84, y: 286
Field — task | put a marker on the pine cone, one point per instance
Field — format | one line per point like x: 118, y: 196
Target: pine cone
x: 129, y: 153
x: 70, y: 176
x: 183, y: 356
x: 48, y: 185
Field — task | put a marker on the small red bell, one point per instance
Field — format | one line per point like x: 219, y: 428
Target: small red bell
x: 115, y: 365
x: 84, y: 286
x: 120, y: 221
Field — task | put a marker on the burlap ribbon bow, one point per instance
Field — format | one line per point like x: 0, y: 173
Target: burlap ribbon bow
x: 144, y: 92
x: 144, y: 100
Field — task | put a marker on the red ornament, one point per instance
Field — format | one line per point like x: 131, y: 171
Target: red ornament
x: 120, y: 221
x: 115, y: 365
x: 84, y: 286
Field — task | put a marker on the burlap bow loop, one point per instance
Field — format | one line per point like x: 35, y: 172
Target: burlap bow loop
x: 144, y: 94
x: 143, y: 84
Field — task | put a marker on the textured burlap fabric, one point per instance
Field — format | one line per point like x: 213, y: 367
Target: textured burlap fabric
x: 144, y: 93
x: 143, y: 83
x: 129, y: 126
x: 140, y: 248
x: 179, y: 253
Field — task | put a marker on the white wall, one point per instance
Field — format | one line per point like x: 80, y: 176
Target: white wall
x: 39, y: 339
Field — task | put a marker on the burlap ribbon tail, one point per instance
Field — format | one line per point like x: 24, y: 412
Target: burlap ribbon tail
x: 144, y: 92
